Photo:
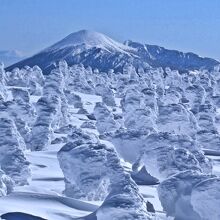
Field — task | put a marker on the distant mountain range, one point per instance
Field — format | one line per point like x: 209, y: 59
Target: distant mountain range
x: 8, y: 57
x: 99, y: 51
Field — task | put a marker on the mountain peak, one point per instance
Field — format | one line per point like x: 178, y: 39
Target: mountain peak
x: 89, y: 39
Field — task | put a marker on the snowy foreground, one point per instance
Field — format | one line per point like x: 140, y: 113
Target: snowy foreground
x: 82, y: 144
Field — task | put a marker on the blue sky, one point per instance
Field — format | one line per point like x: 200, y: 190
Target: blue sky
x: 187, y: 25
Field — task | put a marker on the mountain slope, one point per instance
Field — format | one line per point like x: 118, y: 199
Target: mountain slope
x: 99, y: 51
x: 160, y: 57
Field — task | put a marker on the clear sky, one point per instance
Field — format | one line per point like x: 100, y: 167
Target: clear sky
x: 187, y: 25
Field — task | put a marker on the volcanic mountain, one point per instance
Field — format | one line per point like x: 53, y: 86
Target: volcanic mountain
x: 99, y: 51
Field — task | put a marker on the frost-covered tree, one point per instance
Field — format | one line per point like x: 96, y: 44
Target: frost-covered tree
x: 106, y: 93
x: 104, y: 119
x: 12, y: 159
x: 196, y: 192
x: 6, y: 184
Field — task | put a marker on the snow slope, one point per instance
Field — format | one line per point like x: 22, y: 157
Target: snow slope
x: 90, y: 39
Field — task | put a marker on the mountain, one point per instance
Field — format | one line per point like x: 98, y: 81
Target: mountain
x: 158, y: 56
x: 8, y: 57
x: 99, y: 51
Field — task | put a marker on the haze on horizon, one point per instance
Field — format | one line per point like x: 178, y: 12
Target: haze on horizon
x: 188, y: 26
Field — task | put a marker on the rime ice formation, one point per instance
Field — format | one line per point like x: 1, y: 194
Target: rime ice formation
x: 128, y: 143
x: 139, y: 110
x: 73, y: 99
x: 21, y: 111
x: 196, y: 192
x: 104, y: 178
x: 140, y: 119
x: 12, y: 158
x: 88, y: 124
x: 179, y: 152
x: 172, y: 95
x: 124, y: 202
x: 2, y: 82
x: 36, y: 81
x: 206, y: 117
x: 195, y: 94
x: 75, y: 134
x: 189, y: 148
x: 6, y: 184
x: 210, y: 139
x: 131, y: 100
x: 20, y: 95
x: 175, y: 118
x: 92, y: 182
x: 104, y: 119
x: 106, y: 93
x: 54, y: 86
x: 175, y: 193
x: 72, y: 158
x: 150, y: 99
x: 165, y: 161
x: 88, y: 182
x: 77, y: 81
x: 205, y: 198
x: 47, y: 110
x: 208, y: 135
x: 52, y: 111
